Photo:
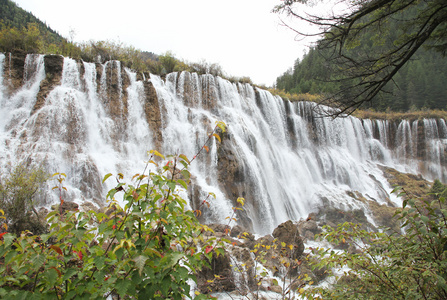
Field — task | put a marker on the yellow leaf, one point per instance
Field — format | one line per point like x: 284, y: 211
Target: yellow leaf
x: 155, y: 152
x: 206, y: 148
x: 217, y: 137
x: 221, y: 125
x: 241, y: 201
x: 301, y: 290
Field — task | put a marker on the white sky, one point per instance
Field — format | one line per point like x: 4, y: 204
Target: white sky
x: 243, y: 36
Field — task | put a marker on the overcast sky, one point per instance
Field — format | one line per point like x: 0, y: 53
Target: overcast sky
x: 243, y: 36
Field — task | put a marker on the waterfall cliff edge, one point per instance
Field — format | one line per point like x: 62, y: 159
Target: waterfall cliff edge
x: 87, y: 120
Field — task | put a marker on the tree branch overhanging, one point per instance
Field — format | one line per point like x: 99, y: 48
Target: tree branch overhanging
x: 363, y: 75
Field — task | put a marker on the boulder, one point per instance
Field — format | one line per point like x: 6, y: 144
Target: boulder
x: 218, y: 228
x: 240, y: 233
x: 288, y: 233
x: 221, y: 266
x: 309, y: 227
x: 66, y: 206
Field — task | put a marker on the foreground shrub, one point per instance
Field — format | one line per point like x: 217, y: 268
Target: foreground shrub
x: 151, y: 248
x: 148, y: 249
x: 410, y: 264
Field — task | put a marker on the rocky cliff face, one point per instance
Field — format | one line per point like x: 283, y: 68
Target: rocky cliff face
x: 88, y: 119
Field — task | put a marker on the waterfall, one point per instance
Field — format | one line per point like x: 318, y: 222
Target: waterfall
x: 283, y: 158
x: 2, y: 59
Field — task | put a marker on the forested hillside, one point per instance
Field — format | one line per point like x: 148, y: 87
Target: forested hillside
x: 420, y: 84
x: 12, y: 16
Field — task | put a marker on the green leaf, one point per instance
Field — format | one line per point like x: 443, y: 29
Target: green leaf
x: 175, y: 257
x: 52, y: 276
x: 140, y: 262
x: 171, y: 185
x: 165, y: 285
x: 183, y: 184
x: 99, y: 261
x: 106, y: 176
x: 111, y: 193
x: 69, y: 273
x: 38, y: 261
x: 183, y: 156
x: 122, y: 285
x: 8, y: 239
x: 186, y: 174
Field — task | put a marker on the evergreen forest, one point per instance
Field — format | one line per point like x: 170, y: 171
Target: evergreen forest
x: 419, y: 85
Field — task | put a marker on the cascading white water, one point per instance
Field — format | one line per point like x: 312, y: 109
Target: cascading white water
x: 2, y: 59
x: 15, y: 108
x: 285, y: 160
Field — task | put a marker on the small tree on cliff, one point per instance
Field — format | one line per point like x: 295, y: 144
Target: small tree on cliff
x: 168, y: 61
x: 18, y: 191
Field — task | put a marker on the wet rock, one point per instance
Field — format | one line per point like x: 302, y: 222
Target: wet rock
x: 270, y: 285
x: 232, y: 180
x: 221, y: 266
x: 66, y: 206
x: 309, y: 227
x: 333, y: 216
x: 53, y: 70
x: 240, y: 232
x: 218, y: 228
x: 114, y: 97
x: 152, y: 111
x: 14, y: 70
x: 87, y: 206
x: 288, y: 233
